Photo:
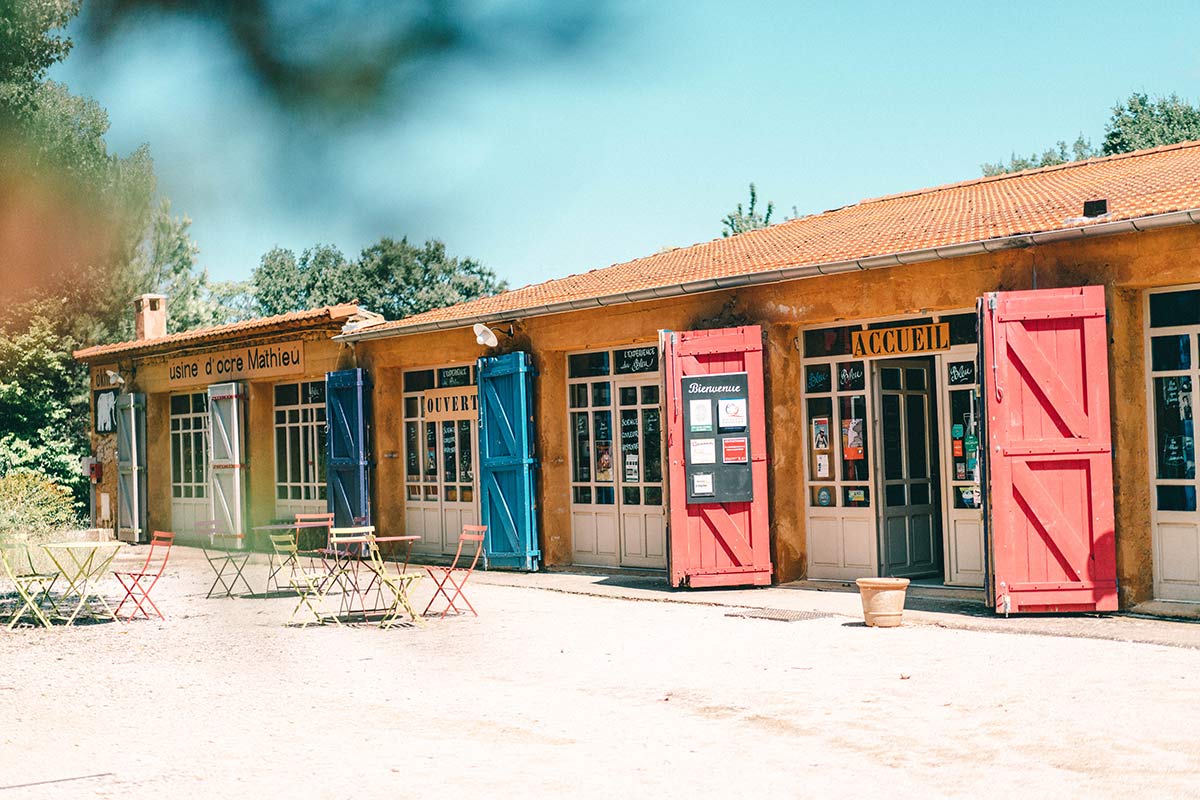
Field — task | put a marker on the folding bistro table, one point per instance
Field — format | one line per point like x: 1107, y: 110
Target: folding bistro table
x: 345, y: 557
x: 276, y: 564
x: 81, y: 565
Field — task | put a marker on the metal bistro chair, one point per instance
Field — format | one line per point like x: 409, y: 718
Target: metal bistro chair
x: 311, y: 584
x: 32, y: 586
x: 278, y: 561
x: 223, y: 554
x: 398, y: 585
x: 133, y: 581
x: 346, y: 557
x: 471, y: 533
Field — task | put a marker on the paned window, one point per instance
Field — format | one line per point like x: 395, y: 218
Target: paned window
x: 189, y: 446
x: 439, y: 457
x: 300, y: 436
x: 1172, y: 362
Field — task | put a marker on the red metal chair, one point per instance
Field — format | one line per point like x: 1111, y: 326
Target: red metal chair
x: 443, y: 575
x: 134, y: 581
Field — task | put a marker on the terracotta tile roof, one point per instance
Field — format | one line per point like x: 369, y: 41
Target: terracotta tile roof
x: 1139, y: 184
x: 294, y: 321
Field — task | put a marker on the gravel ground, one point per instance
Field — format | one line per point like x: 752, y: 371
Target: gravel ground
x: 556, y: 694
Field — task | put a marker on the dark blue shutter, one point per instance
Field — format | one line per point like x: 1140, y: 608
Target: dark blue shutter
x: 507, y: 467
x: 347, y: 415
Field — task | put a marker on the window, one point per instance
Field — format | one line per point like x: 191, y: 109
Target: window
x: 189, y: 446
x: 438, y: 456
x: 615, y: 421
x: 300, y: 441
x: 1171, y: 360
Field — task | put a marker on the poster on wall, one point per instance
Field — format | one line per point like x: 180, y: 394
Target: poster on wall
x: 852, y: 439
x: 631, y: 467
x: 106, y: 410
x: 820, y: 433
x: 604, y: 463
x: 822, y: 465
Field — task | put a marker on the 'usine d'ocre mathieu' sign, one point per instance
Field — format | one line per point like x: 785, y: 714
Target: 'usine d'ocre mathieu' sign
x: 900, y: 341
x: 261, y: 361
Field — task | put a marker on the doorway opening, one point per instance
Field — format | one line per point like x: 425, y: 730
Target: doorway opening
x: 908, y: 481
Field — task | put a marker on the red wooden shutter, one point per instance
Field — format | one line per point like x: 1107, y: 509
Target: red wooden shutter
x: 717, y: 544
x: 1049, y: 450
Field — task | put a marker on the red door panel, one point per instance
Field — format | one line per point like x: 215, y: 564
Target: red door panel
x: 1049, y: 450
x: 717, y: 544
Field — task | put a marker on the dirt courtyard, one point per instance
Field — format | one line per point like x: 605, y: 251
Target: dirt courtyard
x: 551, y: 694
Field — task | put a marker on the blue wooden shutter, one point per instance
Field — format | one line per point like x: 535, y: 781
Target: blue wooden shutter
x: 347, y: 415
x: 507, y: 467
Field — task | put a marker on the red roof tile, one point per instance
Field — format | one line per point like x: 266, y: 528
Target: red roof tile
x: 1140, y: 184
x: 294, y: 321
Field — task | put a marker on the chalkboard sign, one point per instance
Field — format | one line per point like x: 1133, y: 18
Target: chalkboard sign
x: 817, y: 379
x: 449, y: 450
x: 716, y: 438
x: 454, y: 376
x: 962, y: 373
x: 851, y: 376
x: 637, y: 359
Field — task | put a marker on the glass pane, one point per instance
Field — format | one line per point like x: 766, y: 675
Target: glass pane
x: 314, y: 393
x: 961, y: 424
x: 581, y: 451
x: 280, y: 417
x: 1168, y: 309
x: 966, y: 497
x: 587, y: 365
x: 601, y: 393
x: 187, y: 458
x: 603, y: 459
x: 818, y: 379
x: 891, y: 429
x: 280, y: 455
x: 294, y: 492
x: 177, y: 491
x: 851, y: 376
x: 962, y: 328
x: 200, y: 403
x: 430, y: 454
x: 582, y: 494
x: 412, y: 457
x: 1173, y: 427
x: 465, y: 473
x: 293, y: 416
x: 893, y: 494
x: 651, y: 446
x: 431, y: 492
x: 627, y: 396
x: 466, y: 494
x: 293, y: 454
x: 605, y: 495
x: 915, y: 379
x: 176, y: 459
x: 449, y: 452
x: 181, y: 404
x: 451, y: 494
x: 918, y: 462
x: 827, y: 342
x: 281, y: 493
x: 287, y: 394
x: 962, y: 373
x: 823, y: 496
x: 412, y: 407
x: 1176, y: 498
x: 919, y: 494
x: 820, y: 412
x: 653, y: 495
x: 852, y: 418
x: 579, y: 395
x: 636, y: 359
x: 889, y: 378
x: 856, y: 496
x: 418, y: 381
x: 650, y: 395
x: 454, y: 376
x: 1170, y: 352
x: 414, y: 492
x: 631, y: 495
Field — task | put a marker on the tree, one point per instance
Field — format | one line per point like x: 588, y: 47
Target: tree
x: 29, y: 46
x: 740, y: 221
x: 392, y: 277
x: 1137, y: 123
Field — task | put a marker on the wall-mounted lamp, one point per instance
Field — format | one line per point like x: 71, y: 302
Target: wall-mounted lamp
x: 114, y: 378
x: 487, y: 337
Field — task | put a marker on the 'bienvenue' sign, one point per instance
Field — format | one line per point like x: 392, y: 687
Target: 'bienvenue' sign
x: 262, y: 361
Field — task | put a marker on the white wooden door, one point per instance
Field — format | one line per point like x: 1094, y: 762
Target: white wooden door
x: 227, y: 488
x: 959, y: 426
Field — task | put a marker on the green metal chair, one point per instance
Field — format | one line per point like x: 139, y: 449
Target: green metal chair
x: 32, y: 586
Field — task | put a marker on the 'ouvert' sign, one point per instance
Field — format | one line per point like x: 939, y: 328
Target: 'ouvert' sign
x: 259, y: 361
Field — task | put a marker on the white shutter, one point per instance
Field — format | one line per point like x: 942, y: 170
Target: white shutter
x: 131, y: 468
x: 225, y: 468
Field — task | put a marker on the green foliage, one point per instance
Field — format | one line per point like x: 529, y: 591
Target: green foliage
x: 1141, y: 122
x: 741, y: 220
x: 392, y: 277
x: 29, y: 45
x: 1138, y: 123
x: 32, y: 504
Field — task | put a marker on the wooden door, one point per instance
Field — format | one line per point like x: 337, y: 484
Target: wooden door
x: 910, y: 536
x: 717, y: 544
x: 1049, y: 467
x: 227, y: 489
x: 131, y: 468
x: 347, y: 412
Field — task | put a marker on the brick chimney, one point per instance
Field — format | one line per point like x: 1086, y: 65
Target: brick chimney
x: 150, y: 316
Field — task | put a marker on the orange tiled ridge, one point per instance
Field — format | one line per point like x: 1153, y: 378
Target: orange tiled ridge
x: 296, y: 320
x: 1139, y: 184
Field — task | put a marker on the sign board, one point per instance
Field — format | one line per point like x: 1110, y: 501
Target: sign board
x: 908, y: 340
x: 259, y: 361
x: 456, y: 402
x: 636, y: 359
x: 104, y: 410
x: 717, y: 438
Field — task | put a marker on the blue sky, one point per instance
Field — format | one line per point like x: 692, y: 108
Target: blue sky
x: 645, y: 138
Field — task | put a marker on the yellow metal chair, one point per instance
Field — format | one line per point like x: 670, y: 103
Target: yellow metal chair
x: 312, y: 585
x: 32, y: 586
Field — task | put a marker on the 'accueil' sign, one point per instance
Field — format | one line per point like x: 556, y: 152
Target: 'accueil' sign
x: 900, y: 341
x: 261, y: 361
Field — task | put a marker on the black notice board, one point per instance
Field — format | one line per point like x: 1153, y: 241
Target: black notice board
x: 716, y: 438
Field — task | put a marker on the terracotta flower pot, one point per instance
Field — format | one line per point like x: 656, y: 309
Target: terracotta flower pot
x: 883, y: 600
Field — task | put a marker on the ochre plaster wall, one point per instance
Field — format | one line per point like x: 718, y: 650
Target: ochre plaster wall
x: 1125, y: 264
